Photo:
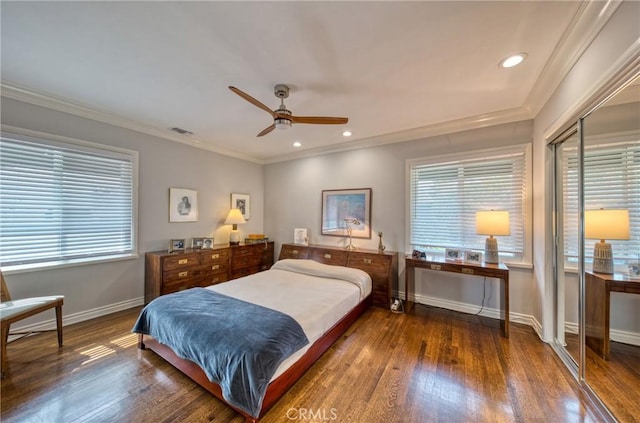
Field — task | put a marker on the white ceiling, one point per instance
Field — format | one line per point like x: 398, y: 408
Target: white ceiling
x: 396, y: 69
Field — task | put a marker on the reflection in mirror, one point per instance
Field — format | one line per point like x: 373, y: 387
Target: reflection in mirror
x: 566, y: 251
x: 611, y: 136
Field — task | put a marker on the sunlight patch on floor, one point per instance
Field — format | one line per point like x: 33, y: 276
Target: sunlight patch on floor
x: 96, y: 353
x: 126, y: 341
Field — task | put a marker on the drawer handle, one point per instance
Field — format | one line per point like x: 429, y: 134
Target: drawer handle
x: 294, y: 251
x: 327, y: 256
x: 467, y: 271
x: 183, y: 261
x: 367, y: 261
x: 436, y: 267
x: 183, y: 274
x: 215, y: 256
x: 215, y: 267
x: 215, y: 280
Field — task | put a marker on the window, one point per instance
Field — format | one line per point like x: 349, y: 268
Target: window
x: 445, y: 194
x: 62, y: 201
x: 611, y: 181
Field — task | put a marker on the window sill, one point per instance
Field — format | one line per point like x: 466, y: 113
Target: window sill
x: 36, y: 267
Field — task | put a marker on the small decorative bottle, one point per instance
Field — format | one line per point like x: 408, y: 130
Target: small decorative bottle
x: 381, y: 247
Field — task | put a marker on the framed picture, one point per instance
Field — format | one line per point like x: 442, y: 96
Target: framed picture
x: 300, y: 236
x: 183, y: 205
x: 473, y: 256
x: 176, y: 245
x: 242, y: 202
x: 196, y: 243
x: 207, y: 243
x: 346, y: 210
x: 452, y: 254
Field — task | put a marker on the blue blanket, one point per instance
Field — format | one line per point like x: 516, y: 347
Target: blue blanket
x: 238, y: 344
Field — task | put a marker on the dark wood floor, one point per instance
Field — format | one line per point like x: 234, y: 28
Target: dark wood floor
x: 432, y: 366
x: 617, y: 380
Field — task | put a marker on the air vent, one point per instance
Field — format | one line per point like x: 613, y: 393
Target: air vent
x: 181, y: 131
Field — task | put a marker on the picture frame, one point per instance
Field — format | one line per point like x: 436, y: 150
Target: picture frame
x: 473, y: 256
x: 196, y: 243
x: 242, y: 202
x: 183, y: 205
x: 339, y: 205
x: 452, y: 254
x: 300, y: 236
x: 177, y: 245
x: 207, y: 243
x: 634, y: 269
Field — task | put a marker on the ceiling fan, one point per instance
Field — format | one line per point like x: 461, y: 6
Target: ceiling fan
x: 282, y: 118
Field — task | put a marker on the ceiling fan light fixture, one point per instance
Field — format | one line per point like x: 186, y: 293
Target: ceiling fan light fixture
x: 282, y: 123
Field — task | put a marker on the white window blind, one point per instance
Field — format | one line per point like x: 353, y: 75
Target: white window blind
x: 611, y: 181
x: 444, y: 198
x: 60, y: 202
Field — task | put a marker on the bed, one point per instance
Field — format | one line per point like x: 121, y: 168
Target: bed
x: 298, y: 307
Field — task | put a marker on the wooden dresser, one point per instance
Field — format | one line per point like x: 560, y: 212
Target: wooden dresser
x: 170, y: 272
x: 382, y: 267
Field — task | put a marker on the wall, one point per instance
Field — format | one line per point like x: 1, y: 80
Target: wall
x: 593, y: 69
x: 100, y: 288
x: 293, y: 199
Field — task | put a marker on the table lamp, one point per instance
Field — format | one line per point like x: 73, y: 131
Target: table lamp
x: 348, y: 221
x: 492, y: 223
x: 605, y: 224
x: 234, y: 218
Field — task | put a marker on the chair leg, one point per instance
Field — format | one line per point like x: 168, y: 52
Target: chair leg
x: 59, y: 324
x: 4, y: 337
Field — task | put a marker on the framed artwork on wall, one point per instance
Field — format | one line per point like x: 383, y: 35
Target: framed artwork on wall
x: 346, y: 212
x: 183, y: 205
x: 242, y: 202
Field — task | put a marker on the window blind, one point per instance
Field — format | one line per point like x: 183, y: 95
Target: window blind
x: 611, y: 181
x: 61, y: 202
x: 444, y: 198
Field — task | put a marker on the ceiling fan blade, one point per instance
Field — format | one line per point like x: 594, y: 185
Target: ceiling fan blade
x: 322, y: 120
x: 266, y: 130
x: 252, y: 100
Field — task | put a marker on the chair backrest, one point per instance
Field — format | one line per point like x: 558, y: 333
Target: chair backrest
x: 4, y: 292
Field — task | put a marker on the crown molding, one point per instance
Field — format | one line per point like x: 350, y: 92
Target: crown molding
x: 27, y: 95
x: 442, y: 128
x: 586, y: 24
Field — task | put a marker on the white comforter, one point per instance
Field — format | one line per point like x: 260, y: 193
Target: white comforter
x: 316, y: 295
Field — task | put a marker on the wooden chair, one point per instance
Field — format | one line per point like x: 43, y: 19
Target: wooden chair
x: 12, y: 311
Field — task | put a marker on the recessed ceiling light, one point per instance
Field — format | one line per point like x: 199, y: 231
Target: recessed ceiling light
x: 346, y: 134
x: 513, y: 60
x: 297, y: 144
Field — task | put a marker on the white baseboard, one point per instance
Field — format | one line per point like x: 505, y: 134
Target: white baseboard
x: 81, y: 316
x: 473, y: 309
x: 623, y: 336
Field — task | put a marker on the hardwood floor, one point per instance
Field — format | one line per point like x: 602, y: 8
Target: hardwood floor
x: 617, y: 380
x: 432, y: 366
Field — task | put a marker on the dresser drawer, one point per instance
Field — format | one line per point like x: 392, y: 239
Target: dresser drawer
x: 332, y: 257
x: 294, y: 252
x: 375, y: 265
x: 176, y: 275
x: 214, y: 256
x: 180, y: 261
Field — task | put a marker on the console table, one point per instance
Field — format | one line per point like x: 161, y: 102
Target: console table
x: 598, y: 288
x: 499, y: 271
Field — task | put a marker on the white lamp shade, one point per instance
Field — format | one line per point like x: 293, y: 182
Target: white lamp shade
x: 235, y: 218
x: 492, y: 222
x: 606, y: 224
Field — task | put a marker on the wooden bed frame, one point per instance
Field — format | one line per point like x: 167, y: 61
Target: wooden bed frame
x: 277, y: 387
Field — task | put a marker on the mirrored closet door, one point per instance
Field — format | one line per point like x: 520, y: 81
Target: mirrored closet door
x: 566, y: 234
x: 611, y: 163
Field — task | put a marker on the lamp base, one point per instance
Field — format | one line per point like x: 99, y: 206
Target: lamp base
x: 491, y: 251
x: 234, y: 237
x: 602, y: 258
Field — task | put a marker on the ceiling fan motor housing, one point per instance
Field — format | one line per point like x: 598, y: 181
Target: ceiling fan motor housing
x: 281, y: 91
